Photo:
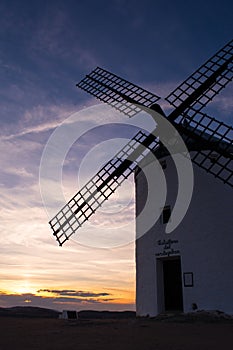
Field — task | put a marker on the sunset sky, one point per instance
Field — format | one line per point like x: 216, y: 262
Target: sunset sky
x: 46, y: 48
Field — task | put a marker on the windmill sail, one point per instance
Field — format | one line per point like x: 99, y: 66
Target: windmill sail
x: 215, y: 164
x: 101, y: 186
x: 211, y: 139
x: 116, y: 91
x: 211, y: 143
x: 190, y: 98
x: 213, y: 133
x: 203, y: 85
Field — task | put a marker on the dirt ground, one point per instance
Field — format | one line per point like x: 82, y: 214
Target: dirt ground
x: 46, y: 334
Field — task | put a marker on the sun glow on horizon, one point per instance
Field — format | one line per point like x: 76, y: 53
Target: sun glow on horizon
x: 59, y: 299
x: 117, y: 297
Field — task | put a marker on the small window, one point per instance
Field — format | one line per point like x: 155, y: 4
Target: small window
x: 163, y: 164
x: 166, y: 214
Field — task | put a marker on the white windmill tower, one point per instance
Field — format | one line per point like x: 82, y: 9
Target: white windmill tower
x: 192, y: 266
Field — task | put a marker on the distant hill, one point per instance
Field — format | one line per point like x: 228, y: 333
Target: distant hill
x: 28, y: 311
x: 38, y: 312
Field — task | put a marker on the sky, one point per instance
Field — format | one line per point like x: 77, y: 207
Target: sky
x: 46, y: 47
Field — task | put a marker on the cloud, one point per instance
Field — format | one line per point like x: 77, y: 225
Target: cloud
x: 30, y: 255
x: 21, y: 171
x: 73, y: 293
x: 43, y: 118
x: 85, y: 300
x: 116, y: 217
x: 38, y: 119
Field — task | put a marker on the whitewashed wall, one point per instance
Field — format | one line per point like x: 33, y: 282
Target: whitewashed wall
x: 205, y: 244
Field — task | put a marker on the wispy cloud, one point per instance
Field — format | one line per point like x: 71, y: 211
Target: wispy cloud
x: 39, y: 119
x: 22, y: 172
x: 73, y: 293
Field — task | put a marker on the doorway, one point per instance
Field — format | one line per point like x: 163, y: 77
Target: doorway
x: 173, y: 295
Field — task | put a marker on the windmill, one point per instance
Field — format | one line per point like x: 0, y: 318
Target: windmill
x: 183, y: 271
x: 188, y: 100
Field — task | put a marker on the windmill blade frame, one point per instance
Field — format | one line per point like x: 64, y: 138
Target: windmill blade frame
x: 124, y: 96
x: 99, y: 188
x: 215, y: 164
x: 204, y: 84
x: 217, y: 134
x: 211, y: 151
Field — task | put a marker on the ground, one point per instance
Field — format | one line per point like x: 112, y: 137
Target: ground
x: 116, y: 334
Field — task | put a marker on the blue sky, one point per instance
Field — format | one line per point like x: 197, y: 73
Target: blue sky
x: 46, y: 48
